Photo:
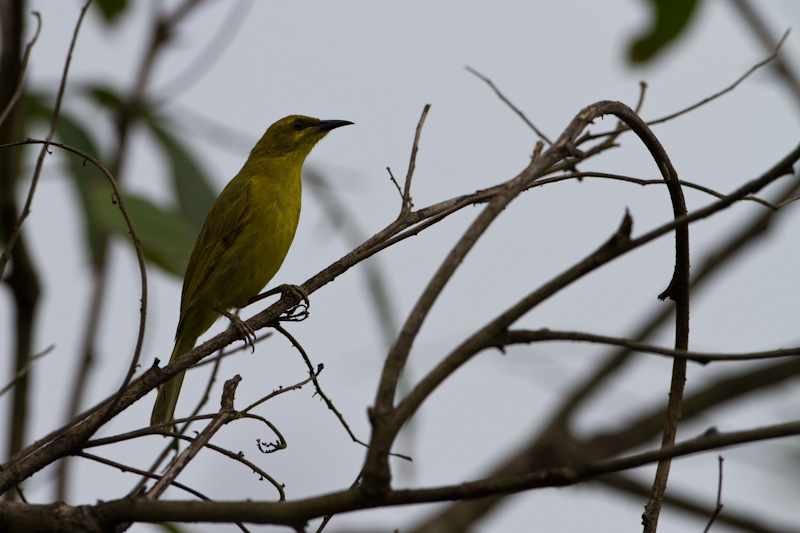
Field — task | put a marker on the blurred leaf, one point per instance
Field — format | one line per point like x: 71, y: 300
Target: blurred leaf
x: 165, y: 235
x: 104, y: 95
x: 189, y: 181
x: 670, y: 18
x: 111, y: 9
x: 341, y: 218
x: 170, y: 528
x: 68, y: 128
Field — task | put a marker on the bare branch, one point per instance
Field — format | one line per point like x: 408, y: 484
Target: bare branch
x: 412, y: 164
x: 525, y: 336
x: 399, y: 190
x: 117, y: 198
x: 741, y: 519
x: 554, y: 444
x: 484, y: 337
x: 382, y: 416
x: 144, y: 474
x: 24, y: 370
x: 317, y: 386
x: 785, y: 67
x: 226, y: 414
x: 727, y: 89
x: 508, y: 102
x: 714, y: 96
x: 300, y: 511
x: 718, y: 508
x: 61, y: 441
x: 284, y: 390
x: 646, y: 182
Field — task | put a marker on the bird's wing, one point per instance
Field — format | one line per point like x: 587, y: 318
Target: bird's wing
x: 223, y: 224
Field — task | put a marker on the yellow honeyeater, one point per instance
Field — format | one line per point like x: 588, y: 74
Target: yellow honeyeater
x: 244, y: 238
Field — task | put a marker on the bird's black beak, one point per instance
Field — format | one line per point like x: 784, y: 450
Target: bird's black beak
x: 328, y: 125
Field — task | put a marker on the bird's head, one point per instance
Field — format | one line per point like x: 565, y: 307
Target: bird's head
x: 294, y: 136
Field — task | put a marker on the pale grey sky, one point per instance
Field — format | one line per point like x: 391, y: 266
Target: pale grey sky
x: 377, y: 64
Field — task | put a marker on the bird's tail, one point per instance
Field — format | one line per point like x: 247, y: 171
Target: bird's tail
x: 167, y: 398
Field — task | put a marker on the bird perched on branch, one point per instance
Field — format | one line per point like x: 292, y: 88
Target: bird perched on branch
x: 244, y: 239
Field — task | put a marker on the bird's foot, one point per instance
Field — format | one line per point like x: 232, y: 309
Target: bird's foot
x: 247, y: 333
x: 283, y: 290
x: 300, y: 311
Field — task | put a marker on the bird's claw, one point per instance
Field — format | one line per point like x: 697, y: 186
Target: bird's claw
x: 295, y: 290
x: 247, y: 333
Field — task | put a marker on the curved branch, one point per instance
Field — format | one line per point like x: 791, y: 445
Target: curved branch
x: 678, y: 291
x: 376, y: 470
x: 137, y: 244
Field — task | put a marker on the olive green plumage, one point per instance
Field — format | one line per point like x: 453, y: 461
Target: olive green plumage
x: 245, y: 237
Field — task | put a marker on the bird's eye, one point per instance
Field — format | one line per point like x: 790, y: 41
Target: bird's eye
x: 298, y: 125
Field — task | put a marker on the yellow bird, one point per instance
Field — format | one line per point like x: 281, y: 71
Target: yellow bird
x: 244, y: 238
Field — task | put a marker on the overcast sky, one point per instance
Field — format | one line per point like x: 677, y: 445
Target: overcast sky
x: 377, y: 64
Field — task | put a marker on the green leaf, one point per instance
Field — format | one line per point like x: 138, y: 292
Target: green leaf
x: 189, y: 181
x: 670, y: 19
x: 165, y: 235
x: 111, y: 9
x: 104, y: 95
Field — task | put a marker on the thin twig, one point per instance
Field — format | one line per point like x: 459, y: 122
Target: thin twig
x: 321, y: 394
x: 407, y: 202
x: 162, y: 31
x: 784, y: 66
x: 741, y: 519
x: 300, y: 511
x: 226, y: 414
x: 146, y: 475
x: 640, y: 102
x: 508, y: 102
x: 718, y: 508
x: 24, y: 370
x: 137, y: 244
x: 714, y: 96
x: 645, y: 182
x: 238, y: 457
x: 535, y: 454
x: 283, y: 390
x: 328, y: 517
x: 139, y: 472
x: 385, y: 419
x: 399, y: 190
x: 212, y: 378
x: 12, y: 239
x: 547, y: 335
x: 728, y: 89
x: 45, y: 450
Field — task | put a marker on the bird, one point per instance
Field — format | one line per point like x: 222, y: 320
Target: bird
x: 244, y: 239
